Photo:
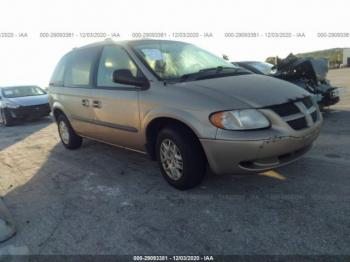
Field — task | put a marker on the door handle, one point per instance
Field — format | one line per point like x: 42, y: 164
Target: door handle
x: 96, y: 104
x: 85, y: 102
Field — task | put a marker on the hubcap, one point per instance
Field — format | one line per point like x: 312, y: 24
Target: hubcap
x: 171, y: 159
x: 62, y: 127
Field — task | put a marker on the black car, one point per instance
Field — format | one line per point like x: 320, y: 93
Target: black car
x: 307, y: 73
x: 22, y: 102
x: 260, y: 68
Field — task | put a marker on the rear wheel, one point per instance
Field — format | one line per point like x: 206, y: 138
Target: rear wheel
x: 68, y: 136
x: 6, y: 118
x: 181, y: 158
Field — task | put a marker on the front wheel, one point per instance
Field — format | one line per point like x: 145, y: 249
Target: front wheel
x: 6, y: 118
x: 69, y: 138
x: 181, y: 158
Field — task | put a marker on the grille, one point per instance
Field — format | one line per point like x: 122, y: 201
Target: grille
x: 314, y: 116
x: 43, y: 107
x: 307, y: 101
x: 298, y: 124
x: 298, y: 114
x: 285, y: 109
x: 34, y: 110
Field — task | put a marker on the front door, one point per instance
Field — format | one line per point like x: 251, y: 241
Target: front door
x: 116, y: 106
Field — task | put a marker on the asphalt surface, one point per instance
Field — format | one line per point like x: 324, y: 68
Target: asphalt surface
x: 105, y: 200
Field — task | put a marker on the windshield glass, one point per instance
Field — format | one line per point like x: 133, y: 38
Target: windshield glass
x: 172, y: 60
x: 21, y: 91
x: 264, y: 68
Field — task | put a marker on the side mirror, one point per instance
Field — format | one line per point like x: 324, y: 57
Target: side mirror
x: 124, y: 76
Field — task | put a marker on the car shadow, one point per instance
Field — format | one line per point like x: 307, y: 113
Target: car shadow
x: 20, y: 131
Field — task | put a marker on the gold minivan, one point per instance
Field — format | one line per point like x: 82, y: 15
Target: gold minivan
x: 184, y: 106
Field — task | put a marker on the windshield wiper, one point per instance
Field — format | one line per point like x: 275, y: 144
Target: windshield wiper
x: 210, y: 72
x: 216, y: 69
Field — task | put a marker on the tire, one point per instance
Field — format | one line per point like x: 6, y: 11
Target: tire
x: 6, y: 118
x: 69, y: 138
x: 188, y: 147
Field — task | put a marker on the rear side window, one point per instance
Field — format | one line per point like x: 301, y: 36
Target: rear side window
x: 58, y: 74
x: 79, y: 69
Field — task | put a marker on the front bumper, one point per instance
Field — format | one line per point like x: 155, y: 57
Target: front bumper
x: 245, y: 156
x: 28, y: 112
x: 331, y: 97
x: 329, y: 100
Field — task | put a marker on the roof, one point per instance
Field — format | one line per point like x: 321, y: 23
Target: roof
x: 109, y: 41
x: 18, y: 86
x: 248, y: 62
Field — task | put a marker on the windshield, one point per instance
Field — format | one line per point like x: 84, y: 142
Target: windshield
x: 264, y: 68
x: 172, y: 60
x: 21, y: 91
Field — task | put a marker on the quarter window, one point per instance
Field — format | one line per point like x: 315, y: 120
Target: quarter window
x: 114, y: 58
x: 58, y: 74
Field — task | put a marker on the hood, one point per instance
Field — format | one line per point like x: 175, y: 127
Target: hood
x: 293, y: 68
x: 248, y: 91
x: 30, y: 100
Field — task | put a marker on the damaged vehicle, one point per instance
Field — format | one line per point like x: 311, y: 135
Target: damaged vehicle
x: 183, y: 106
x: 22, y: 103
x: 307, y: 73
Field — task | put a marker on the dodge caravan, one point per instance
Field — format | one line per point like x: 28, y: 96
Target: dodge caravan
x: 183, y: 106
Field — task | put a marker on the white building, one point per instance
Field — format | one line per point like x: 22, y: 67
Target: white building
x: 346, y: 57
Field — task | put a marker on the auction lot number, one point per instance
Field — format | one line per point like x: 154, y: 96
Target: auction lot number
x: 173, y: 258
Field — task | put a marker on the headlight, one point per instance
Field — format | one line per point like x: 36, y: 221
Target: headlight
x: 335, y: 93
x: 246, y: 119
x: 11, y: 105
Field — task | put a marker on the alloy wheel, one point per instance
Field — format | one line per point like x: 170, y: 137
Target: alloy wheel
x: 64, y: 133
x: 171, y: 159
x: 3, y: 117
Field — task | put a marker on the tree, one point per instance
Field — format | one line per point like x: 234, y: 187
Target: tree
x: 272, y: 60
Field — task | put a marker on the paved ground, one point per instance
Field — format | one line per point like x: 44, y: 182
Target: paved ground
x: 340, y: 77
x: 104, y: 200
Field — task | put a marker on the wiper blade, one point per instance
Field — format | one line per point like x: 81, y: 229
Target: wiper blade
x: 211, y: 71
x: 216, y: 69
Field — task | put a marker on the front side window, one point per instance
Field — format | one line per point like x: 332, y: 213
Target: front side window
x: 80, y: 67
x: 114, y: 58
x: 171, y: 60
x: 22, y: 91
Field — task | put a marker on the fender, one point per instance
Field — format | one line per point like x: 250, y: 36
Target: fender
x: 58, y: 105
x: 201, y: 129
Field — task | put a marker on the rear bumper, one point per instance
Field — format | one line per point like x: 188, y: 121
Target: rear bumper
x: 238, y: 156
x: 27, y: 112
